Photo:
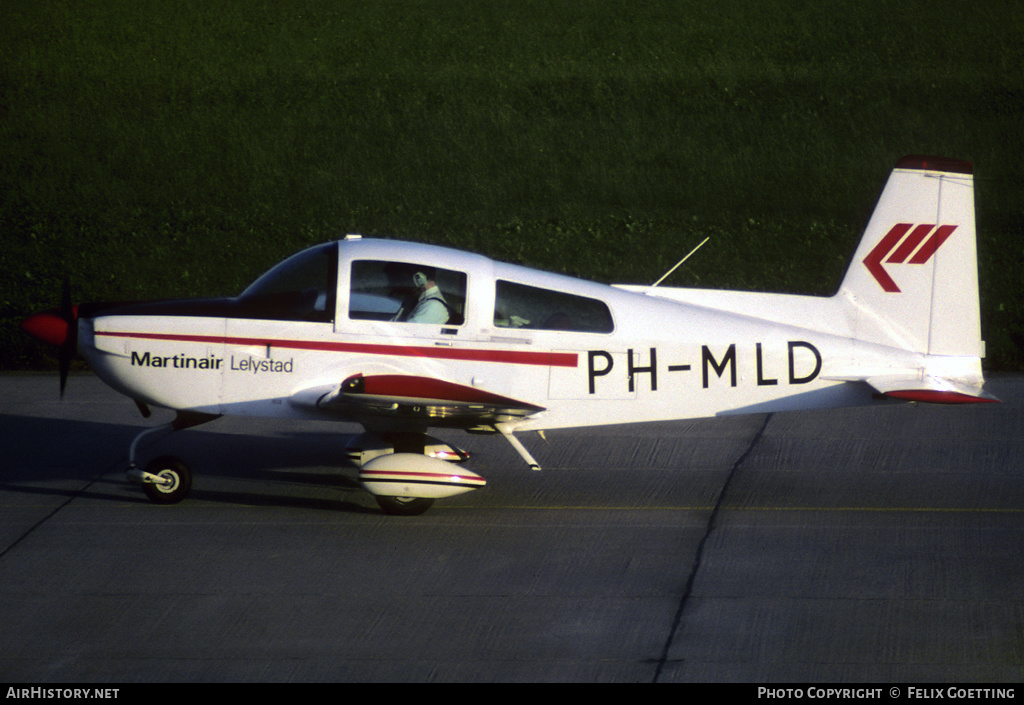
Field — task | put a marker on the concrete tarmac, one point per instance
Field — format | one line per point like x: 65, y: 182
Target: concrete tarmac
x: 860, y: 545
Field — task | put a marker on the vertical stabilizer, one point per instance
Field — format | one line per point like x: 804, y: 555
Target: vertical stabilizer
x: 913, y: 282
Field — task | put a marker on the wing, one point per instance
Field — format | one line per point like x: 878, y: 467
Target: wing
x: 425, y: 400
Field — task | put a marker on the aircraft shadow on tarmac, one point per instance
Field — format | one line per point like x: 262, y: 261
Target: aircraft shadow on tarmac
x: 74, y: 458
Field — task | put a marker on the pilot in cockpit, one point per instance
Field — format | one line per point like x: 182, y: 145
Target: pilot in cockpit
x: 428, y: 304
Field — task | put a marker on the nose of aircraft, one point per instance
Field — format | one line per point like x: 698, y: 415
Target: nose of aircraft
x: 52, y: 326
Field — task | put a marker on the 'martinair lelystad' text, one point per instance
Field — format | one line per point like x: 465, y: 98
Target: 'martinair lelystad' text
x: 239, y: 364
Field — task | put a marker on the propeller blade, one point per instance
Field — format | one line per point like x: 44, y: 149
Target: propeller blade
x: 66, y: 307
x: 69, y: 347
x: 64, y: 362
x: 57, y: 327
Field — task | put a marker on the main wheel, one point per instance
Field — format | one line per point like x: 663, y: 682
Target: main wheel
x: 177, y: 477
x: 404, y: 506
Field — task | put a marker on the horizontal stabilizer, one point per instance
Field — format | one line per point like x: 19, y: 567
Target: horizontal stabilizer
x: 933, y: 390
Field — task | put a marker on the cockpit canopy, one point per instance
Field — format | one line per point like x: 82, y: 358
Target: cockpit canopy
x: 384, y: 285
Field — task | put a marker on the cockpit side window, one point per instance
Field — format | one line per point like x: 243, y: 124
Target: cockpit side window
x: 406, y: 292
x: 301, y: 288
x: 522, y: 306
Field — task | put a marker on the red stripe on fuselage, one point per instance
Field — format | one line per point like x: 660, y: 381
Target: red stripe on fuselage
x: 513, y: 357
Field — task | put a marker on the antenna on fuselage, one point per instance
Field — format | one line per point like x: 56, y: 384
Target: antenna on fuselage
x: 677, y: 264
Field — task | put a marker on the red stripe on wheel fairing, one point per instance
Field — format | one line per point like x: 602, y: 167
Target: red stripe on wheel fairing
x: 513, y: 357
x: 426, y: 477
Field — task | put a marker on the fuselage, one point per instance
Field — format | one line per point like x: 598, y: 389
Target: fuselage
x: 588, y: 353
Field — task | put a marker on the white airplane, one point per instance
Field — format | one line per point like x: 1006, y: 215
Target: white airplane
x: 404, y: 337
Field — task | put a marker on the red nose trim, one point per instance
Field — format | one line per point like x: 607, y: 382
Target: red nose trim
x: 49, y: 326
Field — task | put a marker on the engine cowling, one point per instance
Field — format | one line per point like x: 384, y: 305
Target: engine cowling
x: 414, y: 475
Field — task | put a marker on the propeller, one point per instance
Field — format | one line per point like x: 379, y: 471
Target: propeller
x: 57, y: 327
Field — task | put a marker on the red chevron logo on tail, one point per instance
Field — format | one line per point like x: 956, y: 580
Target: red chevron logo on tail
x: 904, y: 241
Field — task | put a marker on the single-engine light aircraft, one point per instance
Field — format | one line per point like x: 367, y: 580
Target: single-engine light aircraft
x: 405, y: 337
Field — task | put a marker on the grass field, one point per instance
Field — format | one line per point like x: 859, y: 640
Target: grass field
x: 152, y: 149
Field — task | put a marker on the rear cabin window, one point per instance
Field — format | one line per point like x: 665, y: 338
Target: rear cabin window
x: 405, y: 292
x: 530, y: 307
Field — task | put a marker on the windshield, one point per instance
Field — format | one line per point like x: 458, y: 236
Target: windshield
x: 301, y: 288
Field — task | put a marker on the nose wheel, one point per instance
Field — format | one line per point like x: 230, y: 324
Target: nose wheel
x: 167, y: 480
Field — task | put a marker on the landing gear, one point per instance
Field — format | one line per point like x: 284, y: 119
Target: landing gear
x: 406, y: 472
x: 167, y: 481
x: 404, y: 506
